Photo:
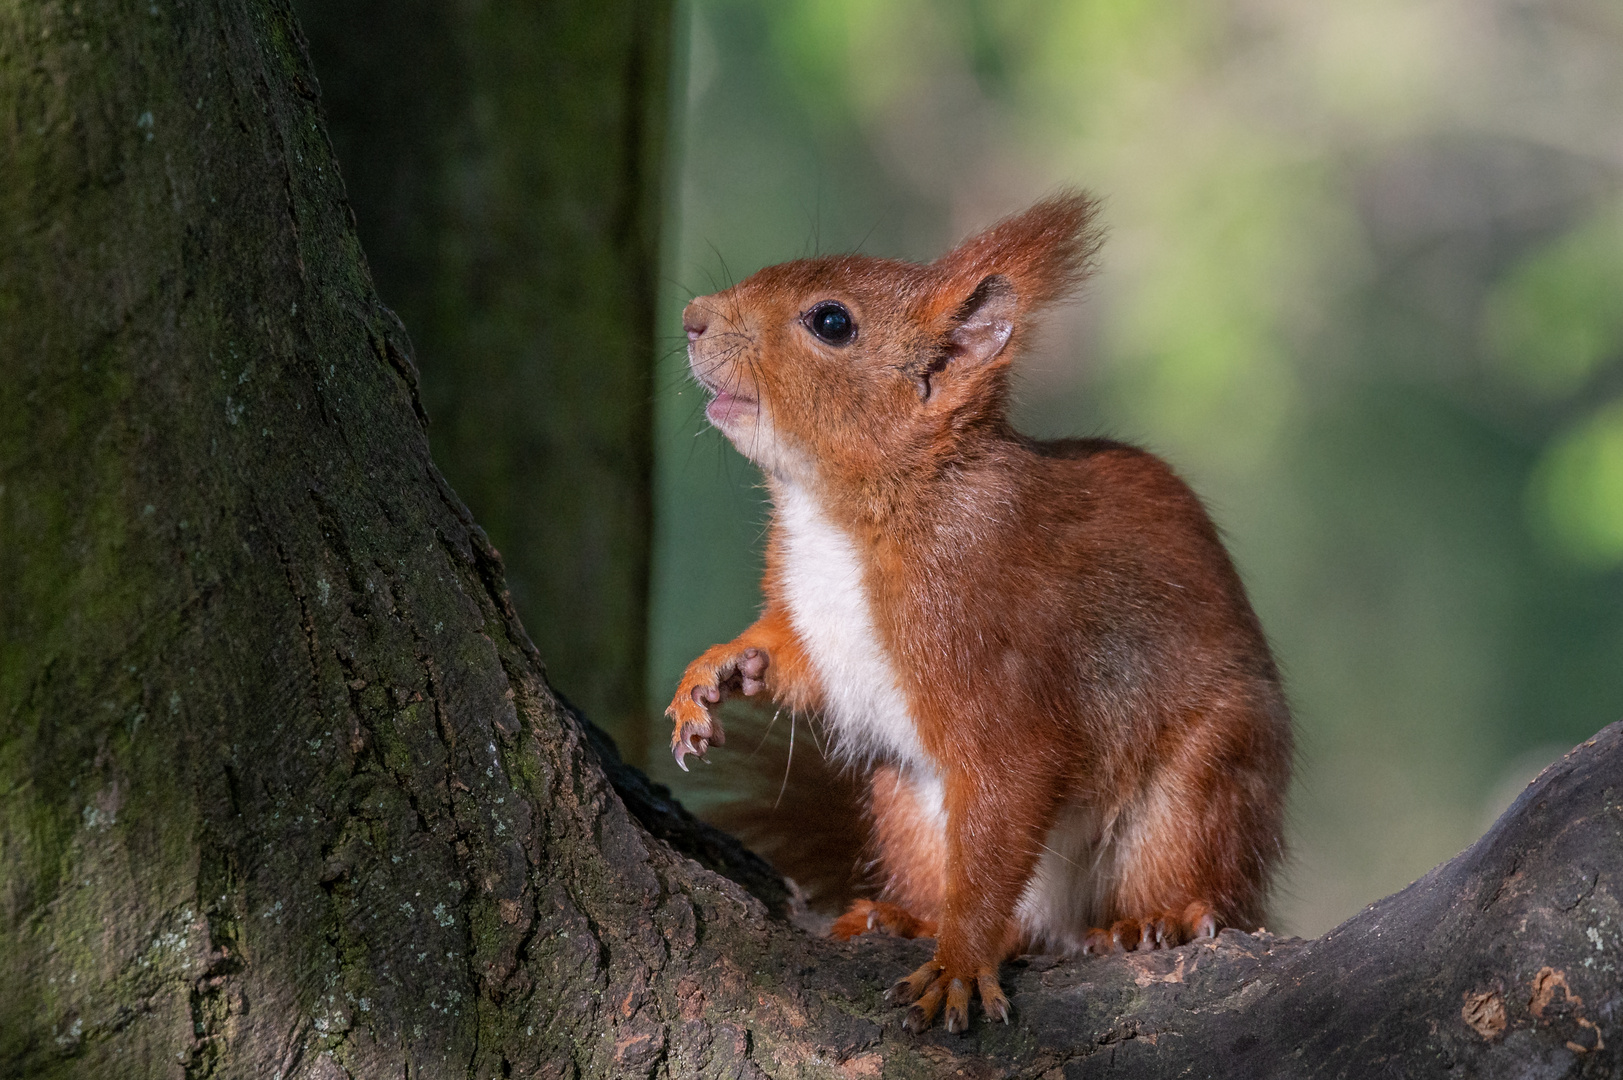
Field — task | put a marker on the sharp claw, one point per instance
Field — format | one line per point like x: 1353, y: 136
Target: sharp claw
x: 678, y: 750
x: 901, y: 993
x: 992, y: 999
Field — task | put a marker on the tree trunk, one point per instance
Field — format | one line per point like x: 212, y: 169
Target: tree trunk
x: 284, y: 793
x: 504, y: 162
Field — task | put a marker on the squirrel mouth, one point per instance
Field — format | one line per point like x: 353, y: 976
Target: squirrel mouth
x: 727, y: 407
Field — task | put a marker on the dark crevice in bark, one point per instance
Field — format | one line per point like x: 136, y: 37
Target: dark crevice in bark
x: 654, y: 807
x: 400, y: 361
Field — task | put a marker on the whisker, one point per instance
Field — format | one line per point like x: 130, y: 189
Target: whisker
x: 767, y: 733
x: 811, y: 727
x: 1059, y: 856
x: 787, y: 764
x: 726, y: 273
x: 681, y: 285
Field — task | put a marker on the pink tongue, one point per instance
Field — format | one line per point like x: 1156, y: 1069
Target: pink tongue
x: 726, y: 407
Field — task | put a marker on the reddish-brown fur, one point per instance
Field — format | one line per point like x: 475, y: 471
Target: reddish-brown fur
x: 1074, y: 647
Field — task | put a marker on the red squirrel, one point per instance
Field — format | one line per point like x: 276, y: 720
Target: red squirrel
x: 1075, y: 734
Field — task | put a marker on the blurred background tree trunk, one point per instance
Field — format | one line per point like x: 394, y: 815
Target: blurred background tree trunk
x: 505, y: 162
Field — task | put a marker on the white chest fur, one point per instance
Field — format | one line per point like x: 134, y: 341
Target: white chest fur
x: 828, y: 605
x: 822, y: 580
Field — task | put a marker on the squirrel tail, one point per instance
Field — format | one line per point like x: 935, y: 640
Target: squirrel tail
x: 778, y: 791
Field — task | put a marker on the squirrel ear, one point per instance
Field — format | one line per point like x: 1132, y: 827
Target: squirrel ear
x: 977, y: 332
x: 984, y: 322
x: 1043, y: 254
x: 987, y: 287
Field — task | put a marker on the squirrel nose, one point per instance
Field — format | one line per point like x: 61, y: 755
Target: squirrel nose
x: 695, y: 321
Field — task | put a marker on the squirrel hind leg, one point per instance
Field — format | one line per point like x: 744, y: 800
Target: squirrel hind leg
x: 1199, y: 843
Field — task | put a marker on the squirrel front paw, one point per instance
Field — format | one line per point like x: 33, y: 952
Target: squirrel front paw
x: 708, y: 681
x: 933, y: 985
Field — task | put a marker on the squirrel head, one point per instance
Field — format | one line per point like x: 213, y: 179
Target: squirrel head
x: 858, y: 367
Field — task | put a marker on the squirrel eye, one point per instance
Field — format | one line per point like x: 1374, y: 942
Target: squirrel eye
x: 831, y: 322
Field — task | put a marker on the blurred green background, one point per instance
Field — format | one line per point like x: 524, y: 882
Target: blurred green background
x: 1363, y: 287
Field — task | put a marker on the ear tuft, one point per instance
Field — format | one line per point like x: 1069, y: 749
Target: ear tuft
x: 1043, y: 253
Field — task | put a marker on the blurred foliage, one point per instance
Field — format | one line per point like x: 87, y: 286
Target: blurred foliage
x: 1578, y: 489
x: 1556, y: 318
x: 1363, y: 287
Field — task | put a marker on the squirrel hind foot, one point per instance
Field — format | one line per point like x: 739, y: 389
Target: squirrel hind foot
x: 1164, y: 930
x: 879, y: 917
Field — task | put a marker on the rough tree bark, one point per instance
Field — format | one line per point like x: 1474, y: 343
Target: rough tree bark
x: 504, y: 161
x: 284, y: 793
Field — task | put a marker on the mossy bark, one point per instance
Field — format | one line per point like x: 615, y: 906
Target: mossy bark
x: 284, y: 792
x: 504, y: 162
